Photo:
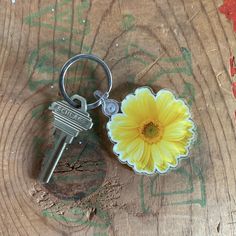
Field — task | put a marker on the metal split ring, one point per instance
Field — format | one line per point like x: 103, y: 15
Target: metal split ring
x: 69, y: 63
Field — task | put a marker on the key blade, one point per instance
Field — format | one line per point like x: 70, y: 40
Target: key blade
x: 51, y: 162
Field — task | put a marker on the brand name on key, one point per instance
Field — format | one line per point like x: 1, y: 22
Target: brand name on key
x: 71, y: 115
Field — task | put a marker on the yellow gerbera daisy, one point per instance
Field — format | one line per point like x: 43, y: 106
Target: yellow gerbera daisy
x: 152, y: 131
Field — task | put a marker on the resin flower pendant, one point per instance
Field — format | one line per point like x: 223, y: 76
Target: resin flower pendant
x: 152, y: 131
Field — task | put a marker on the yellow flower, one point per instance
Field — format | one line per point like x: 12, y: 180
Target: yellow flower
x: 152, y: 131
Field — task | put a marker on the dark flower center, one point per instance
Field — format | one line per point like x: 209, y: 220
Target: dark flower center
x: 151, y: 130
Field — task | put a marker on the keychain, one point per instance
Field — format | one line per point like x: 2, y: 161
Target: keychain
x: 149, y: 131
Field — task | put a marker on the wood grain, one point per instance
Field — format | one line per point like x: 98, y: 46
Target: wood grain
x: 91, y: 192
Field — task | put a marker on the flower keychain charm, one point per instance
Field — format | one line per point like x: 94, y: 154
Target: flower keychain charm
x: 150, y: 131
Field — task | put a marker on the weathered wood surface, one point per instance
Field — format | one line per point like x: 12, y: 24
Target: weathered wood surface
x: 92, y: 193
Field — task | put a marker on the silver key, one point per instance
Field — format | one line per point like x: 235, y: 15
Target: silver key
x: 70, y: 122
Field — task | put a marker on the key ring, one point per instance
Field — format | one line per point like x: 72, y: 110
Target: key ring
x: 69, y: 63
x: 150, y: 131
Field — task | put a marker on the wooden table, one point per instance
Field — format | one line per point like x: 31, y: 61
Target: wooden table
x: 92, y: 193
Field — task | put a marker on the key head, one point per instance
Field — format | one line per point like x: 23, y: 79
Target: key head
x: 71, y: 120
x: 83, y: 102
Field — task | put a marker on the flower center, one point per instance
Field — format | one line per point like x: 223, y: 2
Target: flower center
x: 151, y: 131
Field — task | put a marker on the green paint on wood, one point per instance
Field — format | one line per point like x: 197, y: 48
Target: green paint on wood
x: 128, y: 22
x: 173, y: 68
x: 41, y: 60
x: 34, y: 19
x: 142, y: 196
x: 186, y: 176
x: 198, y: 141
x: 100, y: 234
x: 64, y: 16
x: 80, y: 217
x: 61, y: 13
x: 138, y: 58
x: 43, y: 63
x: 188, y: 93
x: 202, y: 200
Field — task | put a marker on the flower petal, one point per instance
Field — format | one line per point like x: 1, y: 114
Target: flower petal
x: 181, y: 146
x: 131, y: 151
x: 121, y: 120
x: 139, y: 106
x: 120, y: 135
x: 178, y: 130
x: 122, y: 128
x: 169, y: 108
x: 146, y: 163
x: 161, y: 158
x: 172, y: 151
x: 146, y: 102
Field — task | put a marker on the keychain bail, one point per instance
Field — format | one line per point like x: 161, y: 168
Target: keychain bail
x: 109, y: 106
x: 69, y: 63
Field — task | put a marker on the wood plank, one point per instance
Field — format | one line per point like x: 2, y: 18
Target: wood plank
x: 92, y: 193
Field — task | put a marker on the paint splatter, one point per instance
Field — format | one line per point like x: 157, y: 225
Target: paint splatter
x: 229, y: 10
x: 232, y: 73
x: 232, y: 66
